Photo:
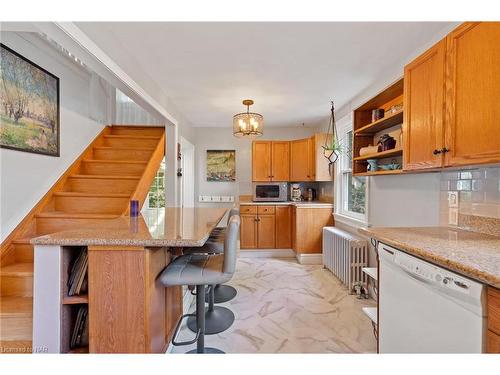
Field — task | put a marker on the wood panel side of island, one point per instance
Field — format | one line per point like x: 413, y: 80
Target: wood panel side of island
x: 129, y: 309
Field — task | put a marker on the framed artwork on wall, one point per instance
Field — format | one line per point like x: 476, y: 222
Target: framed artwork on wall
x: 221, y: 165
x: 29, y: 105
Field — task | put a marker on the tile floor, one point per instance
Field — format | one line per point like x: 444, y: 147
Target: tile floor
x: 285, y: 307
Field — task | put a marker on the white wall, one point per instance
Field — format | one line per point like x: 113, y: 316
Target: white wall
x: 26, y: 177
x: 223, y: 139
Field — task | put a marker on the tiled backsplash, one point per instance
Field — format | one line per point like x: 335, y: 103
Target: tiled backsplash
x: 470, y: 199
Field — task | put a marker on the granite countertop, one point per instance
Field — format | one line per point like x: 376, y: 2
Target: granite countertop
x: 305, y: 204
x: 163, y: 227
x: 471, y: 254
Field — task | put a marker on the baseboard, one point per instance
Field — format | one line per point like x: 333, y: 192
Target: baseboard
x: 309, y: 258
x: 267, y: 253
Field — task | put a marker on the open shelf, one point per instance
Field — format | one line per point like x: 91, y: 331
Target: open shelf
x: 371, y: 312
x: 378, y: 173
x: 74, y: 300
x: 381, y: 155
x: 371, y: 271
x: 384, y: 123
x: 81, y: 350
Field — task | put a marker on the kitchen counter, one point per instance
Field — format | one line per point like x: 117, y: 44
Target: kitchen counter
x: 304, y: 204
x: 472, y: 254
x: 164, y: 227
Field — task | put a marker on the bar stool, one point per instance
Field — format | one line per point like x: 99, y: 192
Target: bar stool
x: 215, y: 245
x: 202, y: 270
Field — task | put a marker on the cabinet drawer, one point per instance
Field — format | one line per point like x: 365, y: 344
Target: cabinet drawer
x: 494, y: 310
x: 493, y: 343
x: 248, y: 210
x: 266, y: 210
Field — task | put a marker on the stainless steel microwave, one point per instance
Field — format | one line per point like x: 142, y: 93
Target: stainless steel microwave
x: 270, y: 191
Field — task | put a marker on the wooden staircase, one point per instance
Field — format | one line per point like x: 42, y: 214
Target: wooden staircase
x: 118, y: 166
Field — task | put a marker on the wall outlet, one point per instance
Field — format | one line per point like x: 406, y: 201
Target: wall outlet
x: 453, y: 216
x: 453, y: 199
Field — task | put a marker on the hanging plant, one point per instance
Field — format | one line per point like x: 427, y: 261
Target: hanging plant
x: 332, y: 148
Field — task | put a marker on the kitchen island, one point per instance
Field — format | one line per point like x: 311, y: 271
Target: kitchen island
x: 129, y: 310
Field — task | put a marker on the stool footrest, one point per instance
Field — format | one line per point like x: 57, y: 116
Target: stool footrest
x: 178, y: 327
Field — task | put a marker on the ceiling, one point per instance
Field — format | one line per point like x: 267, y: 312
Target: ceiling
x: 290, y: 70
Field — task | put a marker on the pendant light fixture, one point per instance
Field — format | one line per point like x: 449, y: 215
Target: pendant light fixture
x: 248, y: 124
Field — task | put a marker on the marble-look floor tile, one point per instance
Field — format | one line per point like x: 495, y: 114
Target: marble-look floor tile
x: 285, y: 307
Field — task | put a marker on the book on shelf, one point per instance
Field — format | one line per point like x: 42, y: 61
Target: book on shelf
x: 77, y: 280
x: 79, y: 336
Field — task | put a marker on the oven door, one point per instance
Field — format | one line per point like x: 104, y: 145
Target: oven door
x: 272, y: 192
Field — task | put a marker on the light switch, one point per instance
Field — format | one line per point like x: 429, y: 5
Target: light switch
x: 453, y: 199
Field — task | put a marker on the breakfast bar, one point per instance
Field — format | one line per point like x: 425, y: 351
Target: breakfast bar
x: 129, y: 311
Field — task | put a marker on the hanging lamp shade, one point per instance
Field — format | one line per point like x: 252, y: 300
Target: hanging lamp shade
x: 248, y: 124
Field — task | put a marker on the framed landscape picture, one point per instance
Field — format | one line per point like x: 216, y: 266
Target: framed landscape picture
x: 29, y: 105
x: 221, y: 165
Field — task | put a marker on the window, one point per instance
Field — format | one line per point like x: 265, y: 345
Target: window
x: 156, y: 195
x: 351, y: 190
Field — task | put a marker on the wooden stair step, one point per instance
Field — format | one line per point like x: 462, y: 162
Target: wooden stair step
x: 16, y: 306
x: 145, y: 130
x: 102, y: 184
x: 16, y: 280
x: 105, y: 177
x: 17, y: 269
x: 122, y: 153
x: 16, y: 314
x: 113, y: 167
x: 89, y: 203
x: 23, y: 250
x: 90, y: 195
x: 131, y: 136
x: 137, y: 141
x: 16, y: 346
x: 66, y: 215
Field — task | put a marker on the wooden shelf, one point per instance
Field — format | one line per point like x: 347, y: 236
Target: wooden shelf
x: 74, y: 300
x: 371, y: 271
x: 371, y: 312
x: 82, y: 350
x: 380, y: 155
x: 382, y: 124
x: 380, y: 172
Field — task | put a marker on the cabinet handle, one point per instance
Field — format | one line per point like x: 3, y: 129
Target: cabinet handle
x: 444, y: 150
x: 436, y: 152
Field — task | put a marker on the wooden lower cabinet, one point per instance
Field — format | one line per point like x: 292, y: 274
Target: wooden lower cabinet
x: 283, y: 227
x: 307, y: 229
x: 266, y: 227
x: 248, y: 231
x: 493, y: 335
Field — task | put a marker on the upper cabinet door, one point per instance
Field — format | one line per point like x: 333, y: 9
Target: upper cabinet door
x: 261, y: 161
x: 472, y: 125
x: 424, y: 109
x: 300, y: 160
x: 280, y: 161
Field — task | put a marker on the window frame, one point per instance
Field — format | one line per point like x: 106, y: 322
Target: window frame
x: 342, y: 171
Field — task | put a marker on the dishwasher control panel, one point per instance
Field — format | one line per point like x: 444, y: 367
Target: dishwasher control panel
x: 427, y: 272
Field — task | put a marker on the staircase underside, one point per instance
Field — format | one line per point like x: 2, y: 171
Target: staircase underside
x: 119, y: 165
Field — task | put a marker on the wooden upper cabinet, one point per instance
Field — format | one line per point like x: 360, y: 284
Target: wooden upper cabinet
x: 424, y: 109
x: 321, y: 167
x: 261, y: 161
x: 472, y: 94
x: 300, y: 160
x: 280, y: 161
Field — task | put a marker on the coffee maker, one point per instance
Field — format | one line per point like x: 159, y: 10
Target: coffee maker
x: 295, y: 193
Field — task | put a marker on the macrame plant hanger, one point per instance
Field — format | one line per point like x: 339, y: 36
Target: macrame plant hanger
x: 331, y: 149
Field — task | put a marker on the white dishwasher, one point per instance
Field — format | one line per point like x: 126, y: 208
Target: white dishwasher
x: 427, y: 309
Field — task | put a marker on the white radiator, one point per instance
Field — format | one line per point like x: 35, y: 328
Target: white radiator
x: 345, y: 255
